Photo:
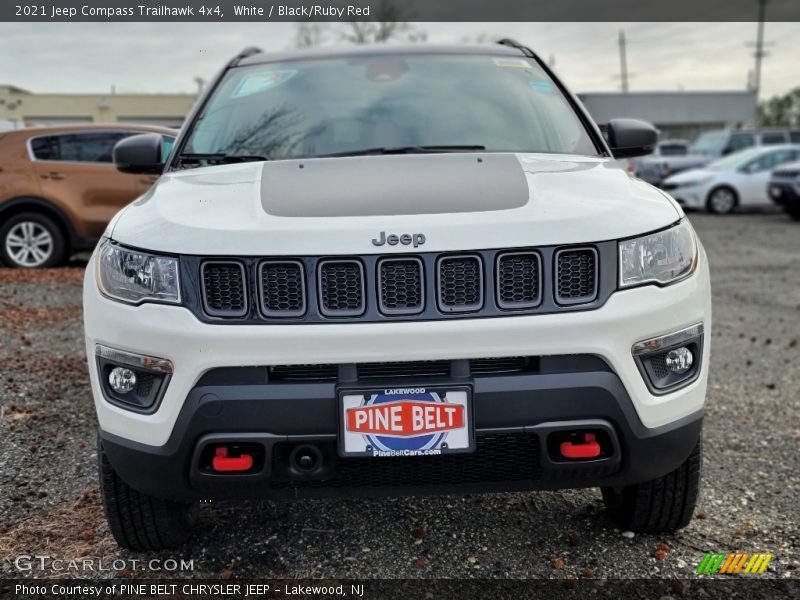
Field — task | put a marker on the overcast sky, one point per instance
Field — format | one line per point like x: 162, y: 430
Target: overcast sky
x: 166, y: 57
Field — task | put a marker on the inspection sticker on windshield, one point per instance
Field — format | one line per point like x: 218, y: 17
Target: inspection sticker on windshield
x: 259, y: 82
x: 512, y: 63
x: 407, y: 421
x: 541, y: 86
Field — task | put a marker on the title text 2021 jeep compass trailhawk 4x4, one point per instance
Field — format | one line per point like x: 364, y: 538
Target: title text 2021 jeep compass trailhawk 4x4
x: 395, y: 270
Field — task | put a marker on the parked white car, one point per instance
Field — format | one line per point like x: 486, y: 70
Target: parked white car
x: 334, y: 288
x: 739, y: 179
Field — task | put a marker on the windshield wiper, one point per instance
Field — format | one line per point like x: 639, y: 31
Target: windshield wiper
x: 403, y: 150
x: 219, y: 157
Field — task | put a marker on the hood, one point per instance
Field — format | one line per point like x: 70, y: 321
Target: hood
x: 340, y: 205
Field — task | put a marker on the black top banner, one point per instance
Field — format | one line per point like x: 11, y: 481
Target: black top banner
x: 397, y: 10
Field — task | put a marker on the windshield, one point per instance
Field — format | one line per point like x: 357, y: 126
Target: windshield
x: 341, y: 105
x: 709, y: 143
x: 735, y: 159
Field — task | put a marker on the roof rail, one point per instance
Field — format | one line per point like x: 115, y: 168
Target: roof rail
x: 515, y: 44
x: 244, y: 54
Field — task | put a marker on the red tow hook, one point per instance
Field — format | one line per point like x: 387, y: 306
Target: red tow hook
x: 224, y: 463
x: 589, y: 448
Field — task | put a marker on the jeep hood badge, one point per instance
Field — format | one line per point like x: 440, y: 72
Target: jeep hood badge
x: 407, y: 239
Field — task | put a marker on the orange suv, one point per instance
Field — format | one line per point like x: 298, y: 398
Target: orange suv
x: 59, y: 189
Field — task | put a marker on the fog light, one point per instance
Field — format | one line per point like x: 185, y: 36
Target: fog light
x: 679, y: 360
x: 122, y: 380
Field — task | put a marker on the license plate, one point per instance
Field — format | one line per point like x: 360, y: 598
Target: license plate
x: 405, y: 421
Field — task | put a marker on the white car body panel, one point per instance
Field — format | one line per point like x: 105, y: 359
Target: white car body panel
x: 174, y: 333
x: 217, y: 210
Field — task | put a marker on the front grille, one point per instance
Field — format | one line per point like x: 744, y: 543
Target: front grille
x: 576, y: 275
x: 341, y: 288
x: 786, y: 174
x: 460, y: 281
x: 498, y: 458
x: 392, y: 370
x: 224, y: 293
x: 518, y: 280
x: 282, y: 288
x: 401, y: 288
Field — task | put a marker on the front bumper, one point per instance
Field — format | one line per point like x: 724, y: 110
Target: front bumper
x: 154, y: 452
x: 689, y: 196
x: 784, y: 194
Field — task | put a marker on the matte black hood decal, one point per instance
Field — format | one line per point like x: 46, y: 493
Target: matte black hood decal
x: 393, y: 185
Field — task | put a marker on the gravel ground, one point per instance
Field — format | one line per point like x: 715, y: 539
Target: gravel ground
x: 49, y: 501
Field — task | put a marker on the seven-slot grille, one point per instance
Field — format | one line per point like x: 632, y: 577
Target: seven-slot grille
x: 224, y: 288
x: 282, y: 288
x: 401, y: 287
x: 374, y: 288
x: 341, y: 288
x: 576, y: 278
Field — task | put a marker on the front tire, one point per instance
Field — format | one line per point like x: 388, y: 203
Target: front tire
x: 722, y: 200
x: 794, y: 211
x: 31, y: 241
x: 661, y: 505
x: 138, y: 521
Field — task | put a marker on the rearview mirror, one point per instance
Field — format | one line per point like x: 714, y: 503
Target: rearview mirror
x: 140, y: 154
x: 631, y: 137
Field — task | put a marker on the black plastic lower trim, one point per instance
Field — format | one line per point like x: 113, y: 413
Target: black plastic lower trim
x: 520, y: 404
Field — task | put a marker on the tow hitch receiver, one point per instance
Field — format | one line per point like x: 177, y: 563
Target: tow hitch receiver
x: 587, y: 448
x: 223, y: 463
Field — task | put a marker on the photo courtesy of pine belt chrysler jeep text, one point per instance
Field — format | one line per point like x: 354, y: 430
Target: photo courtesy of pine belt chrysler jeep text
x: 395, y: 270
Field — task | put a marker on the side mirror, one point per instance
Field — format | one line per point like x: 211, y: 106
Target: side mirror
x: 139, y: 154
x: 631, y: 137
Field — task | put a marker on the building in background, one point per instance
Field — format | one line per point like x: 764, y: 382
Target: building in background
x: 676, y: 114
x: 682, y: 115
x: 21, y: 108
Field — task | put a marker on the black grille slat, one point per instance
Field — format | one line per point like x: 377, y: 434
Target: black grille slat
x: 417, y: 368
x: 341, y: 288
x: 518, y: 280
x: 282, y: 288
x: 497, y: 458
x: 576, y: 275
x: 460, y: 283
x: 224, y: 289
x: 401, y: 287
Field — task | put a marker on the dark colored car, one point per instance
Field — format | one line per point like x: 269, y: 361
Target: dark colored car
x: 784, y: 188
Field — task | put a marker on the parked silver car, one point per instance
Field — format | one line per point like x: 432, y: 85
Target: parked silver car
x: 710, y: 146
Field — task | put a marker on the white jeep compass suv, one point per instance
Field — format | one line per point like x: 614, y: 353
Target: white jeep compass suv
x: 395, y: 270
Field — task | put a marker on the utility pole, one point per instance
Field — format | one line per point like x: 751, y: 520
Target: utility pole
x: 623, y: 62
x: 759, y: 53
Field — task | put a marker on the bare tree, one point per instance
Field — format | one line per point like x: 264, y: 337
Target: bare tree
x: 309, y: 35
x: 389, y: 22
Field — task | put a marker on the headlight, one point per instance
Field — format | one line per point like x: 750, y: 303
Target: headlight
x: 136, y: 277
x: 662, y: 257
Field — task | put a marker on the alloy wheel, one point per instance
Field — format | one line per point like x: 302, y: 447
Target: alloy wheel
x: 29, y: 244
x: 723, y: 201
